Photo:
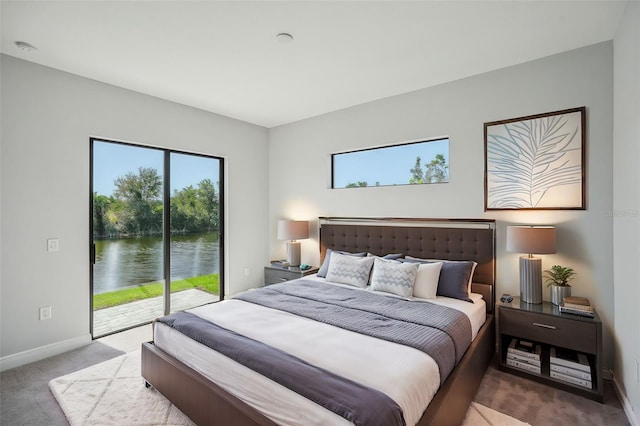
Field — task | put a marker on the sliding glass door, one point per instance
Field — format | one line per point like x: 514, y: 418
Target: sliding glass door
x: 195, y: 230
x: 155, y: 233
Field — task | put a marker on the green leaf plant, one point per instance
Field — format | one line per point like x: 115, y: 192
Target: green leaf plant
x: 559, y: 275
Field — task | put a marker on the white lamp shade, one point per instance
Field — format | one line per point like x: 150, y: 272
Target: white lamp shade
x: 531, y: 239
x: 293, y: 229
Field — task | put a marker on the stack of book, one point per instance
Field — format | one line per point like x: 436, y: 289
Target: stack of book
x: 577, y: 305
x: 570, y: 366
x: 524, y: 355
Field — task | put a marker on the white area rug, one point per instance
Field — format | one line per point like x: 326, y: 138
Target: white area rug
x: 479, y: 415
x: 113, y: 393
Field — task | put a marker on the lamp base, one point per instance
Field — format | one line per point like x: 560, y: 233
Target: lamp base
x: 293, y: 253
x: 531, y: 280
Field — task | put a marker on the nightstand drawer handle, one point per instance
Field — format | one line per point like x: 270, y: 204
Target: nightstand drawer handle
x: 537, y: 324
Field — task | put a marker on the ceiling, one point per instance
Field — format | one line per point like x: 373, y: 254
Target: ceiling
x: 224, y: 57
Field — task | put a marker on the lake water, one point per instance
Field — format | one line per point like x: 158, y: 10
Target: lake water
x: 132, y: 261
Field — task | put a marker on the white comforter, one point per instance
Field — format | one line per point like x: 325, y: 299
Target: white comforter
x: 407, y: 375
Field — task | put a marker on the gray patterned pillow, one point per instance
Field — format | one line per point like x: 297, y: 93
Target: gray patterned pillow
x: 345, y: 269
x: 324, y: 268
x: 394, y: 277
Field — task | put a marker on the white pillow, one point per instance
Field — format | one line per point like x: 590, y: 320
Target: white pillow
x: 345, y: 269
x: 473, y: 269
x: 426, y: 286
x: 393, y: 277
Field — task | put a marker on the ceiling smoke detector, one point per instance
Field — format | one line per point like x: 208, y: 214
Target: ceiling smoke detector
x: 284, y: 38
x: 24, y: 46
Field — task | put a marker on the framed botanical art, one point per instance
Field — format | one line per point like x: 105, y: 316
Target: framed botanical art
x: 536, y: 162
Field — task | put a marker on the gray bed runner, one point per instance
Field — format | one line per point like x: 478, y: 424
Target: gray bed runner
x: 441, y: 332
x: 357, y: 403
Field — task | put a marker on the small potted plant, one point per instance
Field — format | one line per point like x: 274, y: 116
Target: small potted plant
x: 557, y: 279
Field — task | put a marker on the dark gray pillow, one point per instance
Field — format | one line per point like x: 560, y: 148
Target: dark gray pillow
x: 390, y: 256
x: 322, y: 272
x: 454, y: 277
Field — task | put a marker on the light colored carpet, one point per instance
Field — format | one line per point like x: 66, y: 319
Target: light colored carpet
x: 113, y: 393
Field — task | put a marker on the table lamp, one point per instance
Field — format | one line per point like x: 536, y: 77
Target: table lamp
x: 531, y: 240
x: 293, y: 230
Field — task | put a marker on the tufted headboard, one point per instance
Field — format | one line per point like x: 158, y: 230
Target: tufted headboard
x: 450, y: 239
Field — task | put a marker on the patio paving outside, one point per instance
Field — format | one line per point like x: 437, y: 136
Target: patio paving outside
x: 112, y: 319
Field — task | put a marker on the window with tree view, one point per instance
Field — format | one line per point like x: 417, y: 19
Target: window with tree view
x: 406, y: 164
x: 156, y: 233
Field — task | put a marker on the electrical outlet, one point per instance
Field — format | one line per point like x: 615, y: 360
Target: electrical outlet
x: 45, y: 313
x: 247, y: 272
x: 53, y: 244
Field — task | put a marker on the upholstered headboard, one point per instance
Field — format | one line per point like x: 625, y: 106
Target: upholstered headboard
x: 450, y: 239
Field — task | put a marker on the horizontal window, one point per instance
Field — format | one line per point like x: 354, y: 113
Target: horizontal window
x: 406, y: 164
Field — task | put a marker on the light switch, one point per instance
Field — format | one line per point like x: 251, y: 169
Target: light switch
x: 45, y: 313
x: 53, y: 244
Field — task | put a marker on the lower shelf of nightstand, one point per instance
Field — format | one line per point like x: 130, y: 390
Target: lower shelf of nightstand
x: 596, y: 393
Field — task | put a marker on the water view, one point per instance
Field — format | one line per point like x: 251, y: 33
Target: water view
x: 135, y: 191
x: 127, y: 262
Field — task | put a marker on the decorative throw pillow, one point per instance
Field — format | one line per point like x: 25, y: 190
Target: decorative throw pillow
x: 352, y: 270
x: 393, y: 277
x: 426, y: 285
x: 455, y: 277
x: 390, y: 256
x: 473, y: 269
x: 322, y: 272
x: 442, y: 260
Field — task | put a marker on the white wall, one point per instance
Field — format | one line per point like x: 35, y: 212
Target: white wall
x: 299, y: 163
x: 48, y: 117
x: 626, y: 204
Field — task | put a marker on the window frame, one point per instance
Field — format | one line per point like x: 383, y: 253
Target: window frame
x: 166, y: 191
x: 381, y: 147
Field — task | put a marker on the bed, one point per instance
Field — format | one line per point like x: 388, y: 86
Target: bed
x: 205, y: 396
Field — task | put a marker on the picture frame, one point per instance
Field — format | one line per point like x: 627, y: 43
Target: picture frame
x: 536, y: 162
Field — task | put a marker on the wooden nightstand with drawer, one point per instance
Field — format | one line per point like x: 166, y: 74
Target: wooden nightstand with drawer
x: 275, y: 274
x: 546, y: 326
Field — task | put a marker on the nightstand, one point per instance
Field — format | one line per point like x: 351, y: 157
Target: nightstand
x: 275, y: 274
x: 546, y: 325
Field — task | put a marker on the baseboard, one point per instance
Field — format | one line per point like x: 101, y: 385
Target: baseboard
x: 626, y: 405
x: 36, y: 354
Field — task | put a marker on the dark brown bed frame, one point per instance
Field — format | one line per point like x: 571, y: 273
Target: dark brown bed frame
x: 206, y: 403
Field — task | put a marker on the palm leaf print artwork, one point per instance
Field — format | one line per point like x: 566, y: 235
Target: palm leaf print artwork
x: 535, y: 162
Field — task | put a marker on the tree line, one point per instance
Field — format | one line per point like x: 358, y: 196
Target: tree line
x: 135, y: 208
x: 437, y: 170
